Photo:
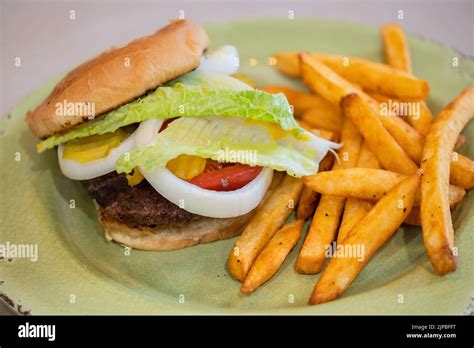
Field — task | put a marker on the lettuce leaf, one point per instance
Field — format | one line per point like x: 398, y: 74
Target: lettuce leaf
x: 230, y: 139
x: 189, y: 97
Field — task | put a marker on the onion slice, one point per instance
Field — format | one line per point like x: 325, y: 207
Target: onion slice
x: 83, y: 171
x: 216, y: 204
x: 196, y: 200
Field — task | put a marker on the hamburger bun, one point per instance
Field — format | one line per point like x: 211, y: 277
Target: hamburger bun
x: 204, y: 230
x: 121, y: 75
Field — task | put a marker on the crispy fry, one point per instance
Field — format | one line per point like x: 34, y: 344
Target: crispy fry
x: 378, y: 77
x: 319, y: 118
x: 287, y: 63
x: 365, y: 183
x: 331, y: 86
x: 356, y: 209
x: 326, y: 218
x: 302, y: 101
x: 462, y: 171
x: 307, y: 204
x: 269, y: 218
x: 323, y: 81
x: 369, y: 75
x: 309, y: 198
x: 367, y: 158
x: 324, y: 134
x: 385, y: 217
x: 397, y: 55
x: 414, y: 217
x: 387, y: 150
x: 272, y: 256
x: 438, y: 233
x: 395, y: 45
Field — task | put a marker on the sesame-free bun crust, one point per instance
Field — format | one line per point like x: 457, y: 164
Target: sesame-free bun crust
x: 121, y: 75
x: 204, y: 230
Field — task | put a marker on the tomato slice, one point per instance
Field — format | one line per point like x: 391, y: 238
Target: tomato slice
x: 229, y: 178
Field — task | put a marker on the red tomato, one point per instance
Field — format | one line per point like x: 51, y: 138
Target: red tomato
x: 228, y: 178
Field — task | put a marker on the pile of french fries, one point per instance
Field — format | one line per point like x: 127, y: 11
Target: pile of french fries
x: 392, y: 168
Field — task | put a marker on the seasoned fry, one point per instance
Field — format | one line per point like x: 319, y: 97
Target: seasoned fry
x: 324, y: 134
x: 326, y: 218
x: 384, y: 218
x: 462, y: 171
x: 377, y: 77
x: 365, y: 183
x: 272, y: 256
x: 367, y: 158
x: 331, y: 86
x: 319, y: 118
x: 369, y: 75
x: 269, y: 218
x: 438, y: 233
x: 397, y: 55
x: 323, y: 81
x: 287, y: 63
x: 356, y: 209
x: 309, y: 198
x: 414, y: 217
x: 387, y: 150
x: 302, y: 101
x: 395, y: 45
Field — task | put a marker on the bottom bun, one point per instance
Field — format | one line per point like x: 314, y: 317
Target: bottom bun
x: 204, y: 230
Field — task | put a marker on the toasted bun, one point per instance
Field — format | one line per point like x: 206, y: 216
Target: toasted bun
x: 205, y: 230
x: 121, y: 75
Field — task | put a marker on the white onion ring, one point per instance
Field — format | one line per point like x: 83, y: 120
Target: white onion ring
x: 192, y: 198
x: 223, y: 60
x: 216, y: 204
x: 83, y: 171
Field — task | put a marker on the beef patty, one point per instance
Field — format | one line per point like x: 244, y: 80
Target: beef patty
x: 140, y: 205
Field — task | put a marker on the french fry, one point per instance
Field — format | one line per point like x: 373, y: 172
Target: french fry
x: 397, y: 55
x: 272, y: 256
x: 367, y: 158
x: 323, y: 228
x: 462, y: 171
x: 438, y: 233
x: 309, y: 198
x: 365, y: 183
x: 287, y: 63
x: 302, y: 101
x: 414, y: 217
x: 384, y: 218
x: 331, y: 86
x: 387, y: 150
x: 369, y: 75
x: 268, y: 219
x: 378, y: 77
x: 395, y: 46
x: 356, y: 209
x: 323, y: 133
x: 325, y: 82
x: 319, y: 118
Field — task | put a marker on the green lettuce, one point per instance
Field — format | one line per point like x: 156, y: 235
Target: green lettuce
x: 189, y: 96
x: 230, y: 139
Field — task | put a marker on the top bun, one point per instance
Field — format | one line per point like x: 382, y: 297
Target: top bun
x: 121, y: 75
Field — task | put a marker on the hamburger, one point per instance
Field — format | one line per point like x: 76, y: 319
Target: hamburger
x: 173, y: 150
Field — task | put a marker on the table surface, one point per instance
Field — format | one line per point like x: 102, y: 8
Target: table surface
x: 49, y: 41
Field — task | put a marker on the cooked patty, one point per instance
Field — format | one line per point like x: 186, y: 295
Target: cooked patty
x: 140, y: 205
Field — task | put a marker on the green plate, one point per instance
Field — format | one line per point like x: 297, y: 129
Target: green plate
x: 79, y: 272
